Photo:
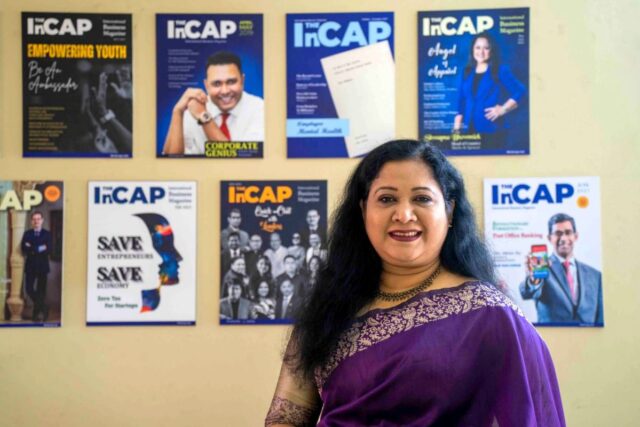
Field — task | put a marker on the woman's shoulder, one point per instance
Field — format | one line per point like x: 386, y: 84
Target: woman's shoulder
x: 504, y: 69
x: 477, y: 294
x: 501, y: 312
x: 462, y: 297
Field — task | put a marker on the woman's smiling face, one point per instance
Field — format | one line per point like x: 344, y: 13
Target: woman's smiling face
x: 405, y: 214
x: 482, y: 50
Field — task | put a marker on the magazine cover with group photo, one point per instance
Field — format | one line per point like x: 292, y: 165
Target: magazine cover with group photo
x: 273, y: 241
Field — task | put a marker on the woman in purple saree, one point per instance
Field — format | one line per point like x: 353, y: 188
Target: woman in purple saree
x: 404, y: 327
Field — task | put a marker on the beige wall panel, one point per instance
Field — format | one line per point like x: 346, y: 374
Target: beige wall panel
x: 585, y: 120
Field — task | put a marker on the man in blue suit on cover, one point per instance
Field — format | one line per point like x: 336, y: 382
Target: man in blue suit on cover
x: 572, y: 293
x: 36, y: 245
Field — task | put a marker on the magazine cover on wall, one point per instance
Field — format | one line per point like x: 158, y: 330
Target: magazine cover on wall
x: 473, y: 81
x: 142, y: 253
x: 340, y: 83
x: 545, y: 236
x: 76, y: 85
x: 209, y: 86
x: 31, y: 253
x: 273, y: 242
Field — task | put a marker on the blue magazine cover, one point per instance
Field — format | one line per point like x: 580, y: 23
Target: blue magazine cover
x: 273, y: 241
x: 340, y: 83
x: 210, y: 89
x: 76, y: 85
x: 473, y: 81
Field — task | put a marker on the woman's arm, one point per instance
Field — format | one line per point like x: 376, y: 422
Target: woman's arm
x: 493, y: 113
x: 461, y: 104
x: 295, y: 402
x: 514, y: 88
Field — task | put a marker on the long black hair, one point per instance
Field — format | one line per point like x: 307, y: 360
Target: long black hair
x: 350, y: 278
x: 494, y: 58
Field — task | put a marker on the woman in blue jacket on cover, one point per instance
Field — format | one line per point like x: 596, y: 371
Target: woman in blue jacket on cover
x: 485, y: 83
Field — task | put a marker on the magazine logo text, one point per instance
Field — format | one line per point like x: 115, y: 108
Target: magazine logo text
x: 11, y: 200
x: 194, y: 29
x: 254, y: 194
x: 55, y: 27
x: 124, y: 195
x: 451, y: 26
x: 523, y: 194
x: 333, y: 34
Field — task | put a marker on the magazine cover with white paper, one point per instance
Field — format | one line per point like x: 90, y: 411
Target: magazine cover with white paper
x: 31, y: 231
x: 473, y: 80
x: 273, y: 241
x: 142, y: 253
x: 547, y: 247
x: 209, y: 80
x: 340, y: 83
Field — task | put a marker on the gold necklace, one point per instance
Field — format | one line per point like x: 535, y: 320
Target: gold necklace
x: 398, y: 296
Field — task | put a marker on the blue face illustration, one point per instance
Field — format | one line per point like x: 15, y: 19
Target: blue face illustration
x: 162, y: 239
x: 150, y: 299
x: 163, y: 244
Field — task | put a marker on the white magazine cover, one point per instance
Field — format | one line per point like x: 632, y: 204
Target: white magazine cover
x: 546, y: 241
x: 142, y: 253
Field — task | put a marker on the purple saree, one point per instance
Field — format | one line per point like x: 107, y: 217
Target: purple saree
x: 462, y: 356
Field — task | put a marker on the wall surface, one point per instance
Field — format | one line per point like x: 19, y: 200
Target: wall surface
x: 585, y: 115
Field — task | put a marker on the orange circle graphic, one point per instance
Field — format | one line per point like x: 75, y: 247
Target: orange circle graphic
x: 583, y: 201
x: 52, y: 193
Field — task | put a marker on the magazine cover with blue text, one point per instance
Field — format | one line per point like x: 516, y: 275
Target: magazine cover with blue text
x: 141, y: 266
x: 31, y: 234
x: 340, y: 83
x: 473, y: 81
x: 210, y: 93
x: 273, y: 241
x: 76, y: 85
x: 547, y: 246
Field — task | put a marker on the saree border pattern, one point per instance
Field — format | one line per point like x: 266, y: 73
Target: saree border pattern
x: 426, y: 308
x: 284, y: 411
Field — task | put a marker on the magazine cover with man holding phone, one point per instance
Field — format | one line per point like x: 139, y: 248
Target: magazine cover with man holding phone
x: 545, y: 237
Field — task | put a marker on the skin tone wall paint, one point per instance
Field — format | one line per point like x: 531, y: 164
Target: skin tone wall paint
x: 584, y: 121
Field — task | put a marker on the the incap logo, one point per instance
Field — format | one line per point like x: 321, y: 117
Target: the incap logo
x: 11, y: 200
x: 122, y: 195
x: 193, y: 29
x: 55, y: 27
x: 522, y: 194
x: 333, y: 34
x: 450, y: 26
x: 253, y: 194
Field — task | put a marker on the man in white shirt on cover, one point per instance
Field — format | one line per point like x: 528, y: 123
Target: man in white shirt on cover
x: 276, y: 254
x: 224, y: 113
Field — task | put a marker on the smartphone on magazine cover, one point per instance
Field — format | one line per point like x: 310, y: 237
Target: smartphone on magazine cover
x: 540, y: 261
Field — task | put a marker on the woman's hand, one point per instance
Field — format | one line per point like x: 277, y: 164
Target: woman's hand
x: 493, y: 113
x: 457, y: 123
